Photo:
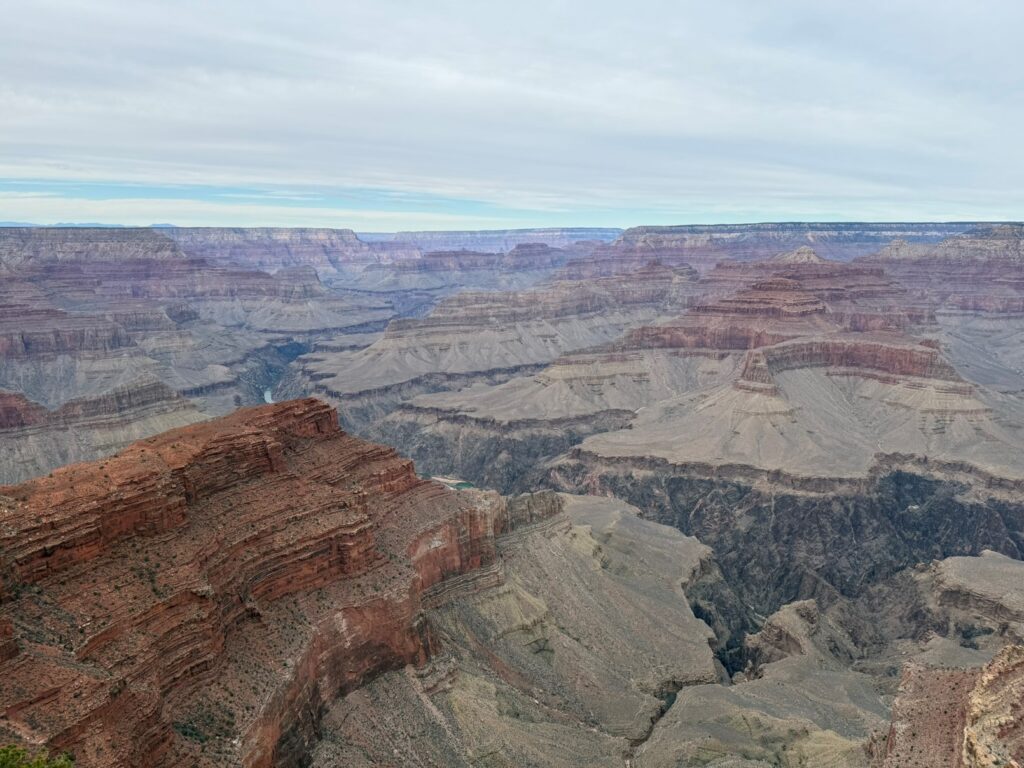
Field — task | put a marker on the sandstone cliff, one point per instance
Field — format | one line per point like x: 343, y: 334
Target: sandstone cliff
x: 201, y: 596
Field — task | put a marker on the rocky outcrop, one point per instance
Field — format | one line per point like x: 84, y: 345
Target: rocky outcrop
x: 36, y: 439
x: 18, y: 411
x: 928, y: 719
x: 992, y: 733
x: 570, y: 662
x: 963, y: 718
x: 528, y: 509
x: 200, y: 597
x: 887, y: 357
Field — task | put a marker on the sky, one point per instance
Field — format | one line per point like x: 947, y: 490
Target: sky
x: 383, y: 115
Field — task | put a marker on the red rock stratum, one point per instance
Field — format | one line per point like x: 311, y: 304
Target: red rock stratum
x: 200, y: 597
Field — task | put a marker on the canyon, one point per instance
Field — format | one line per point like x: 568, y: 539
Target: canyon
x: 734, y: 495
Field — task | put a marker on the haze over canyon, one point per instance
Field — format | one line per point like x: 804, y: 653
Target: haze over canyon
x: 511, y: 385
x: 735, y: 495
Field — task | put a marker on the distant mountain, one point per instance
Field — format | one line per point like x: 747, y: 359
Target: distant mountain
x: 88, y: 224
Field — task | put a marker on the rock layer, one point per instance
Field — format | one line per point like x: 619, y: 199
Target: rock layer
x: 92, y: 319
x: 202, y: 595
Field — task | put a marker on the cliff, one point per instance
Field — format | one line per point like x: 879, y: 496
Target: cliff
x: 22, y: 246
x: 488, y: 336
x: 328, y: 251
x: 497, y: 240
x: 199, y: 597
x: 977, y: 271
x: 91, y: 318
x: 704, y: 245
x: 36, y: 440
x: 961, y: 718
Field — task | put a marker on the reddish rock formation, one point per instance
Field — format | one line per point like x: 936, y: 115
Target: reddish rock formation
x: 529, y: 508
x: 894, y: 357
x: 768, y: 312
x: 777, y: 300
x: 960, y: 718
x: 18, y: 411
x: 981, y: 270
x: 928, y: 719
x: 198, y: 598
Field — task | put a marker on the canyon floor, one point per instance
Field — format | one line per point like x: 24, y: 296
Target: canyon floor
x: 745, y: 495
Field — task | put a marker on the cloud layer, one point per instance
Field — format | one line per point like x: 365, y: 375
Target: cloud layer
x: 391, y: 114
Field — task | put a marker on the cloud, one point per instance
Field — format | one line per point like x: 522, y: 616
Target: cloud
x: 534, y: 112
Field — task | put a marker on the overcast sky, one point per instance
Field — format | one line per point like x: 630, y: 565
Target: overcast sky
x: 383, y: 115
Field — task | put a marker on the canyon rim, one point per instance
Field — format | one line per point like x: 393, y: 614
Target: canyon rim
x: 548, y: 385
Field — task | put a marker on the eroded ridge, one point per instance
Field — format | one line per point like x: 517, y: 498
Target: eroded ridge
x: 199, y: 597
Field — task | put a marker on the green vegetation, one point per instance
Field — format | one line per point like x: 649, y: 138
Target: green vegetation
x: 206, y: 724
x: 17, y: 757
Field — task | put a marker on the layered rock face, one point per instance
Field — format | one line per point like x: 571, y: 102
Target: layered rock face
x: 120, y: 334
x: 964, y: 715
x: 36, y: 439
x: 496, y: 240
x: 973, y: 285
x: 705, y: 245
x: 199, y: 597
x: 444, y: 272
x: 488, y: 337
x: 331, y: 252
x: 571, y: 661
x: 977, y: 270
x: 757, y: 376
x: 20, y: 246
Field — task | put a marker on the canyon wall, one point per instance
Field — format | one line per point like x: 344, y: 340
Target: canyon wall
x: 203, y: 595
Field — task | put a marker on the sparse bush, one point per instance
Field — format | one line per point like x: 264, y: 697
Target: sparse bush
x: 17, y: 757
